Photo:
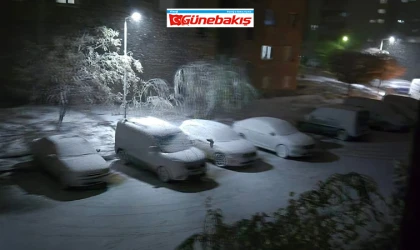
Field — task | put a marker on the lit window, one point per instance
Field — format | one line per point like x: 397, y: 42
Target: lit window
x: 65, y: 1
x: 372, y: 21
x: 269, y: 17
x: 404, y: 1
x: 314, y: 27
x: 383, y: 1
x: 266, y: 52
x: 415, y: 30
x: 381, y: 20
x: 343, y: 14
x: 400, y: 21
x: 381, y: 11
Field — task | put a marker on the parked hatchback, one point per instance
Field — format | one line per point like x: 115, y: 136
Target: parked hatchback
x: 71, y: 159
x: 160, y: 146
x: 276, y: 135
x: 220, y: 143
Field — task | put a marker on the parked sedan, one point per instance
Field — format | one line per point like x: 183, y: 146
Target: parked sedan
x: 71, y: 159
x: 220, y: 143
x: 275, y: 135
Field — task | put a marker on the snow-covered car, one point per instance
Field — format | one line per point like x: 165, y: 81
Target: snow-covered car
x: 406, y: 105
x: 340, y: 121
x: 382, y: 115
x: 220, y: 143
x: 71, y: 159
x: 160, y: 146
x: 275, y: 135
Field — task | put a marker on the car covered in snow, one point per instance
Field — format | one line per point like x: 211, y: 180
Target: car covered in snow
x: 382, y: 115
x: 406, y: 105
x: 220, y: 143
x: 275, y: 135
x: 71, y: 159
x: 160, y: 146
x: 340, y: 121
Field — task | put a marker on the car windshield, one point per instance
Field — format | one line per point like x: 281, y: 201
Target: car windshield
x: 285, y: 128
x: 172, y: 143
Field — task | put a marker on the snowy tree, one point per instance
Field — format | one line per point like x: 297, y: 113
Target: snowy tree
x: 82, y: 68
x: 205, y: 86
x: 363, y: 67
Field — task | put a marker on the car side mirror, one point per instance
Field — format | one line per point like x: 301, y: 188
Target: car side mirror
x: 272, y: 134
x: 98, y: 150
x: 211, y: 142
x: 153, y: 149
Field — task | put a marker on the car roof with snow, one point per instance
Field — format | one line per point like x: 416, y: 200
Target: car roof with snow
x: 154, y: 126
x: 65, y: 145
x: 257, y: 121
x: 206, y: 123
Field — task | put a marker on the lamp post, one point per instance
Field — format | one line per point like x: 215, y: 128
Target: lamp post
x: 390, y: 39
x: 135, y: 17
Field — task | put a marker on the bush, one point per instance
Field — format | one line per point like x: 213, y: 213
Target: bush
x: 338, y: 214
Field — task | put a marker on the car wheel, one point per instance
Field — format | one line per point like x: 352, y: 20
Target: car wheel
x: 123, y: 156
x: 163, y: 174
x: 220, y: 160
x: 282, y: 151
x: 342, y: 135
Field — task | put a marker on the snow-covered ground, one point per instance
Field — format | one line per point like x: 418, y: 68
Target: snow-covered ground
x: 375, y: 88
x: 139, y: 212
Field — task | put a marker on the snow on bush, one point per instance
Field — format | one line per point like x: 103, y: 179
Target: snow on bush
x: 206, y: 86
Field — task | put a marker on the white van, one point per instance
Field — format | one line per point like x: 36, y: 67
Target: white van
x: 160, y: 146
x: 340, y: 121
x: 382, y: 115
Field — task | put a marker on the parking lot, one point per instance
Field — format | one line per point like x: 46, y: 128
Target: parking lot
x: 137, y: 211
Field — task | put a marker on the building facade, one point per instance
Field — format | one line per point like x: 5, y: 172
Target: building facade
x: 272, y: 48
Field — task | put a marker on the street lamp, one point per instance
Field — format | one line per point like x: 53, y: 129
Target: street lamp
x: 390, y: 39
x: 345, y: 38
x: 135, y: 17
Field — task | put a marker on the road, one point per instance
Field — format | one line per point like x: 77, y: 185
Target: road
x: 138, y: 212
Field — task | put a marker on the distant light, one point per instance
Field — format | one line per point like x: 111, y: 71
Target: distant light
x: 400, y: 21
x: 136, y: 16
x: 392, y: 39
x: 345, y: 38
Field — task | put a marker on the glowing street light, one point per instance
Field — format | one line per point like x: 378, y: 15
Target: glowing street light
x: 345, y: 38
x: 135, y: 17
x: 391, y: 40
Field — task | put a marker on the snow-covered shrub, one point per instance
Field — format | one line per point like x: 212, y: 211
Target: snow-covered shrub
x: 154, y: 94
x: 329, y: 217
x: 206, y: 86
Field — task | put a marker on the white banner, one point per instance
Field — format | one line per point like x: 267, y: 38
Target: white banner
x: 210, y: 18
